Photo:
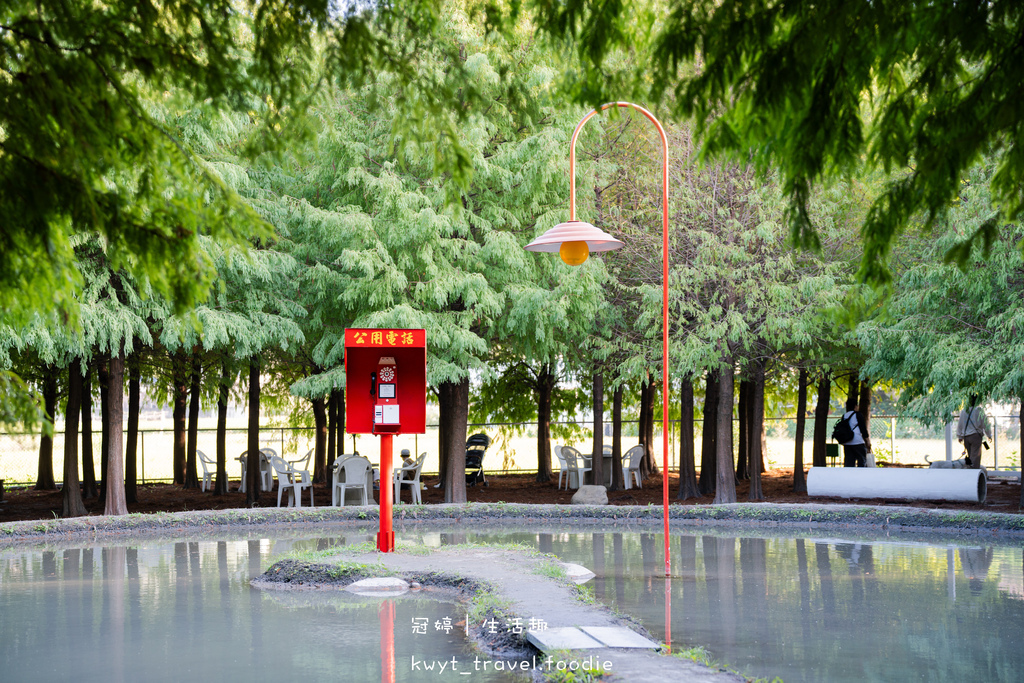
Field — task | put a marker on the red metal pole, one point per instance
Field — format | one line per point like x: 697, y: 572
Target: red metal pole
x: 385, y: 537
x: 664, y: 287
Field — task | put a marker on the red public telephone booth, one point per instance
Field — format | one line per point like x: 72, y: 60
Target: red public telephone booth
x: 385, y: 394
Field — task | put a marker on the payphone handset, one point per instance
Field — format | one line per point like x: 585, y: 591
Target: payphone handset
x: 384, y: 391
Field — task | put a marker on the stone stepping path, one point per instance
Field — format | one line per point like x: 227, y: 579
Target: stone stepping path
x: 588, y: 638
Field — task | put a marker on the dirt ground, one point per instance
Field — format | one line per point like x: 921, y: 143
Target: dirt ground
x: 27, y: 504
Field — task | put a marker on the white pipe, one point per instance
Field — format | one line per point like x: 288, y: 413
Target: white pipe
x: 897, y: 482
x: 949, y: 442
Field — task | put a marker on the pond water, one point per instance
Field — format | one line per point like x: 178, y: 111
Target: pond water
x: 184, y: 611
x: 803, y: 609
x: 814, y: 609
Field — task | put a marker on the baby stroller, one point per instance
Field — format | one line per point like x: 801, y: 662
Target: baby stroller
x: 476, y: 446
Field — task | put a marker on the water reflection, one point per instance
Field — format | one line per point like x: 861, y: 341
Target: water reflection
x: 386, y: 615
x: 184, y: 610
x: 976, y: 563
x: 814, y: 609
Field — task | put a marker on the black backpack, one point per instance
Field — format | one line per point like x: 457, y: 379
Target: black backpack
x: 843, y: 432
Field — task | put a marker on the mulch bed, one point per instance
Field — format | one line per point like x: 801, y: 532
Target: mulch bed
x: 27, y: 504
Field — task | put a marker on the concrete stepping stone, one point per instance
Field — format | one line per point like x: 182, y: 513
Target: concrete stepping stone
x: 619, y: 636
x: 577, y: 573
x: 589, y: 638
x: 565, y: 638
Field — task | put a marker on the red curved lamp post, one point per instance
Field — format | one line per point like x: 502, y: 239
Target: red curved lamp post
x: 568, y: 239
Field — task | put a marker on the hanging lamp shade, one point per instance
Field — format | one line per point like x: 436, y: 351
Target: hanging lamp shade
x: 574, y: 231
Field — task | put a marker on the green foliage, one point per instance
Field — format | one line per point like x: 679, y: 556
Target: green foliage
x: 18, y: 405
x: 921, y: 90
x: 949, y: 332
x: 85, y: 147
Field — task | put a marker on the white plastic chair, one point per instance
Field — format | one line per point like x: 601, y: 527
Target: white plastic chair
x: 209, y: 470
x: 293, y: 480
x: 401, y: 479
x: 266, y: 473
x: 576, y: 464
x: 351, y: 472
x: 631, y: 462
x: 303, y: 462
x: 563, y: 469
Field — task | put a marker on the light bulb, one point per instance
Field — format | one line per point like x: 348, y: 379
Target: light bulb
x: 574, y: 253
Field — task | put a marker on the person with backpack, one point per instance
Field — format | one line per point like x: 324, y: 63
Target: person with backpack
x: 852, y: 434
x: 971, y: 431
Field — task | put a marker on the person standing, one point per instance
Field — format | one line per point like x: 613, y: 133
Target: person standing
x: 971, y: 431
x: 855, y: 450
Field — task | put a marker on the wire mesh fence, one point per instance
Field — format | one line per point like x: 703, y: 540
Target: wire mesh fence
x: 895, y: 440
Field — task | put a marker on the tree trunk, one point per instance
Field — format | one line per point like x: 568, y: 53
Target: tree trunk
x: 799, y: 483
x: 332, y: 431
x: 442, y: 442
x: 71, y: 498
x: 854, y: 392
x: 341, y: 421
x: 865, y: 404
x: 709, y: 436
x: 725, y: 491
x: 597, y: 459
x: 88, y: 466
x: 755, y: 399
x: 648, y: 396
x: 252, y: 463
x: 743, y: 413
x: 320, y: 440
x: 687, y: 460
x: 113, y: 482
x: 455, y: 415
x: 764, y: 448
x: 220, y: 485
x: 821, y: 421
x: 131, y: 454
x: 545, y: 387
x: 179, y: 379
x: 191, y: 472
x: 103, y: 374
x: 44, y: 472
x: 652, y: 448
x: 641, y: 422
x: 618, y: 483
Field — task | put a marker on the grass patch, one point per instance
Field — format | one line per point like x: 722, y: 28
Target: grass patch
x: 413, y: 548
x: 581, y: 674
x: 486, y: 604
x: 585, y: 594
x: 701, y: 656
x: 359, y: 548
x: 300, y: 572
x: 528, y: 550
x: 697, y: 654
x: 551, y: 569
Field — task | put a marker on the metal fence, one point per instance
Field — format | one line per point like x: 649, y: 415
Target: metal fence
x: 513, y: 449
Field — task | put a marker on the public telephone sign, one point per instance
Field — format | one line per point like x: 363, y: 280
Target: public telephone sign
x: 385, y: 381
x: 363, y: 338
